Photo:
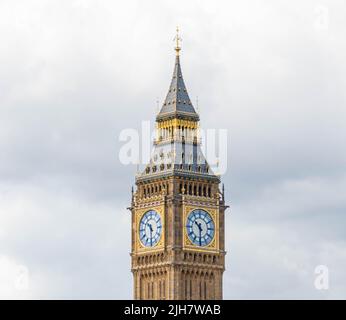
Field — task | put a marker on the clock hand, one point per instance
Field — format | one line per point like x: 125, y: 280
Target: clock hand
x: 151, y: 232
x: 199, y: 225
x: 150, y: 227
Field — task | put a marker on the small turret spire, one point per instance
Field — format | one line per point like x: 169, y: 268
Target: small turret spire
x: 177, y: 42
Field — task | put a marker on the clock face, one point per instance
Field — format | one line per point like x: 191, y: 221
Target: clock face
x: 150, y: 228
x: 200, y: 227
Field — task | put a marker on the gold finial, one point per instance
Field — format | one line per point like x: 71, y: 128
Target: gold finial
x: 177, y: 41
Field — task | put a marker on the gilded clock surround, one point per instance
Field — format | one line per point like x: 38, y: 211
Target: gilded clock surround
x: 160, y: 244
x: 213, y: 246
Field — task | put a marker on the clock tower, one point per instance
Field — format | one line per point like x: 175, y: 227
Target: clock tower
x: 177, y: 209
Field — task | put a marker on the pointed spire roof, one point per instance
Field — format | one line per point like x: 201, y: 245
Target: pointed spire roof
x: 177, y: 102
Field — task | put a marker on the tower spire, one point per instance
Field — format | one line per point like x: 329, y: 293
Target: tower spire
x: 177, y: 42
x: 177, y: 102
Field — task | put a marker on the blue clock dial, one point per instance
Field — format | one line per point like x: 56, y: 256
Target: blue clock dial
x: 150, y: 228
x: 200, y: 227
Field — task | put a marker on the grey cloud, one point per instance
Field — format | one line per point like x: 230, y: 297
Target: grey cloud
x: 74, y: 74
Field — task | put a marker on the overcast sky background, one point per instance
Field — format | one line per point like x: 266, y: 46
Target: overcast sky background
x: 73, y: 74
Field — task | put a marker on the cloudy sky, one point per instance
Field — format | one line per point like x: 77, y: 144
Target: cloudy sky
x: 75, y: 73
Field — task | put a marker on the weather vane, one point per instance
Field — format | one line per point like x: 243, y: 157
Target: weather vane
x: 177, y: 40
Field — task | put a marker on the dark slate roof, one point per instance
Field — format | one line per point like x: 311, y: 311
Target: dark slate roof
x: 177, y: 103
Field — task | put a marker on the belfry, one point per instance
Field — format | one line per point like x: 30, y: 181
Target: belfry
x: 177, y: 209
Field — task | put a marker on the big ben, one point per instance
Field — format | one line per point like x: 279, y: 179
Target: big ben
x: 177, y: 209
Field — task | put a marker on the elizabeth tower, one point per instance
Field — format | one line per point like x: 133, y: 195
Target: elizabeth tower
x: 177, y: 209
